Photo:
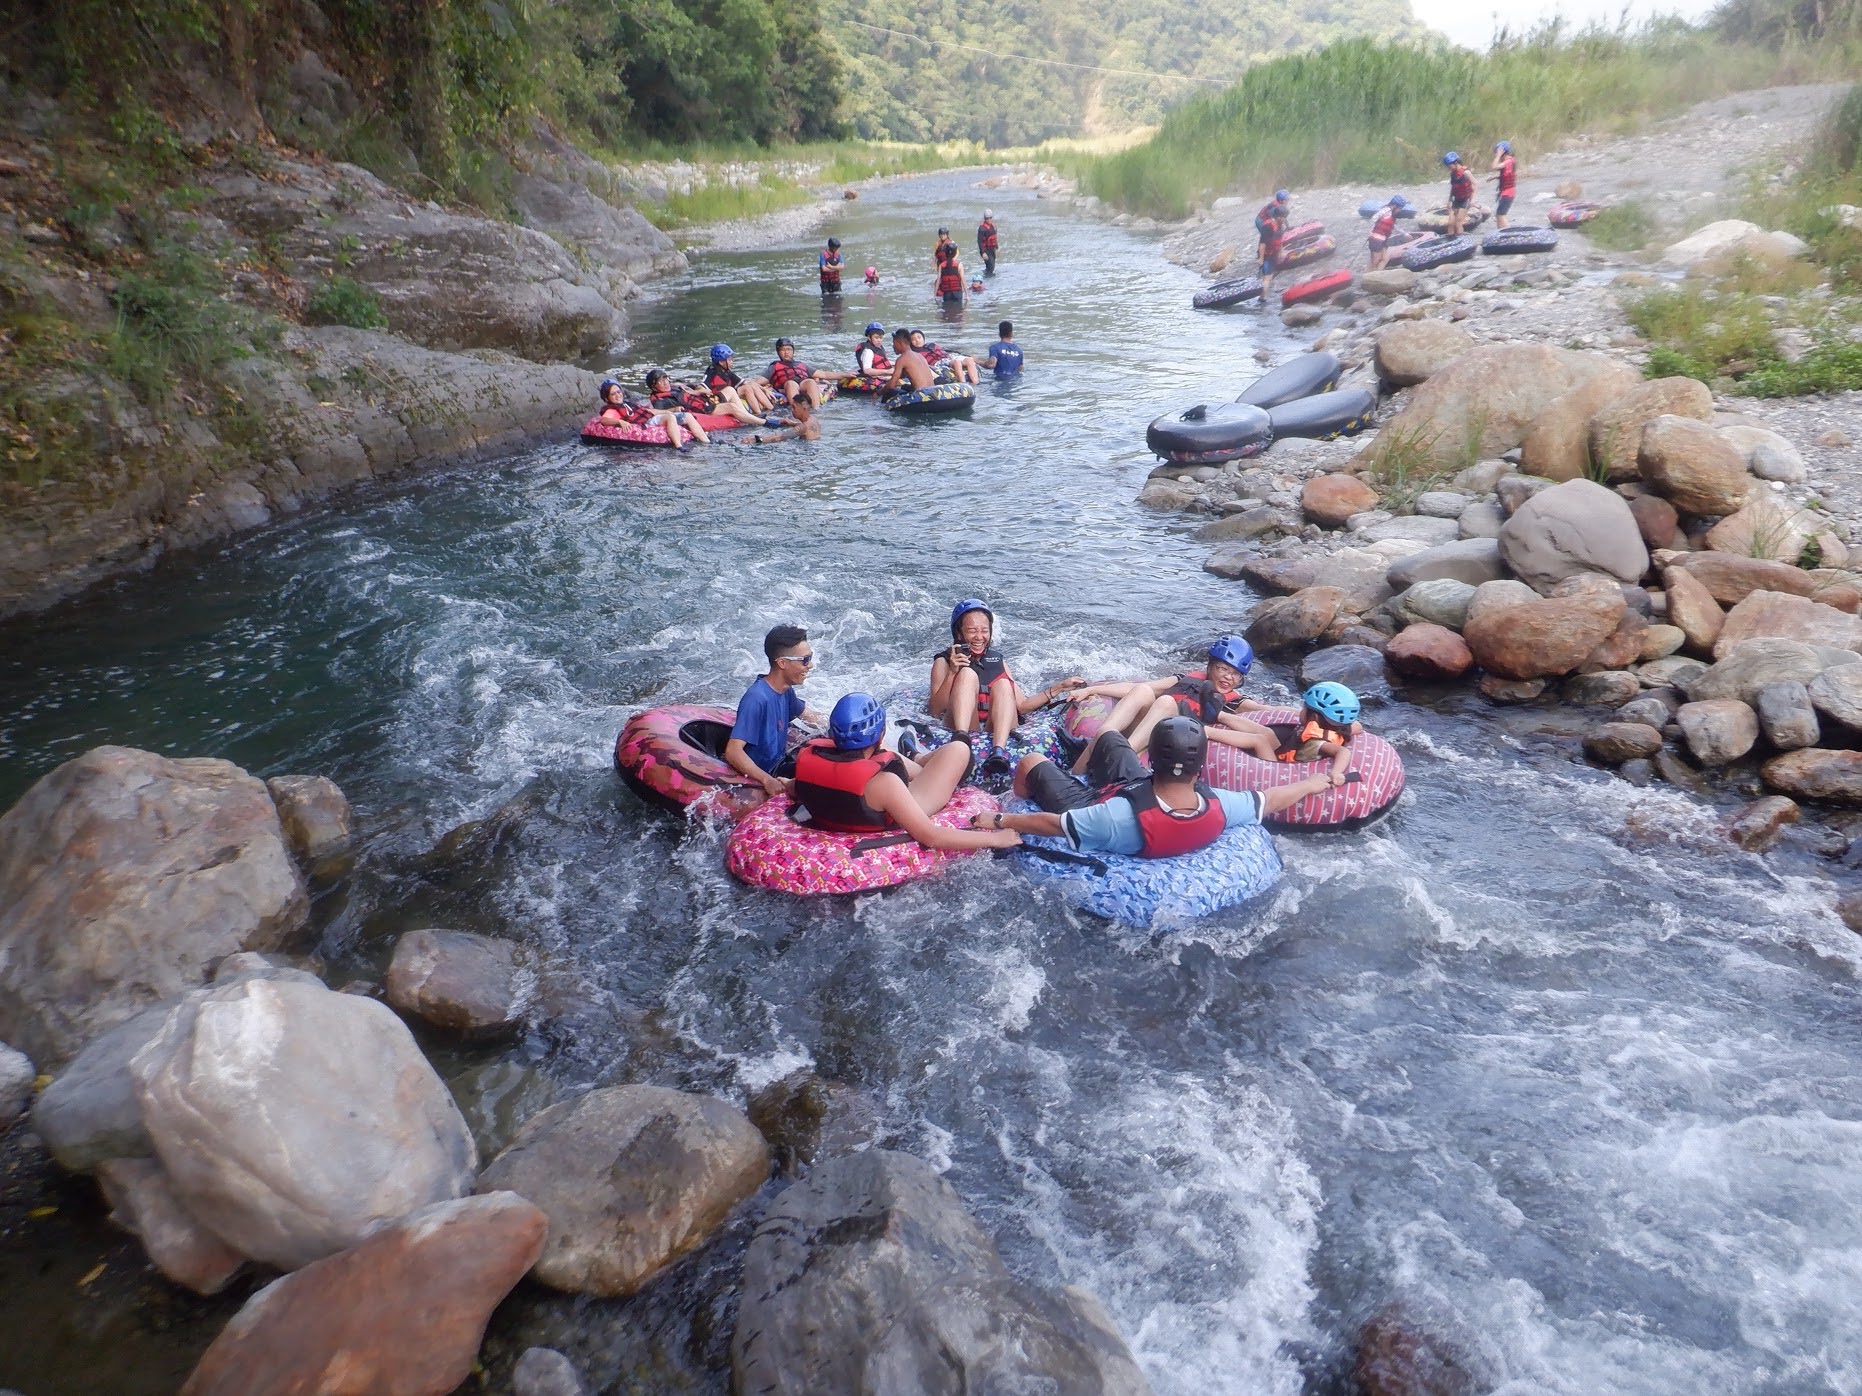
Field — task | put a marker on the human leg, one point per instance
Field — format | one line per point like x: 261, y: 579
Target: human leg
x: 1040, y: 780
x: 1004, y: 711
x: 939, y: 775
x: 1111, y: 761
x: 1158, y: 711
x: 960, y: 706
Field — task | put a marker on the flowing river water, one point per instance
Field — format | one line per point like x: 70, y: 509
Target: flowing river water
x: 1541, y: 1057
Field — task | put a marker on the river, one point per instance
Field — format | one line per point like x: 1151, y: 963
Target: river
x: 1540, y: 1056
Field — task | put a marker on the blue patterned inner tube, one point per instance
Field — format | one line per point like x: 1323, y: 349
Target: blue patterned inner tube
x: 1038, y: 734
x: 939, y: 397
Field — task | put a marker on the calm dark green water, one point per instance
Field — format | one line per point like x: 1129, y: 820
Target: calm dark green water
x: 1540, y: 1055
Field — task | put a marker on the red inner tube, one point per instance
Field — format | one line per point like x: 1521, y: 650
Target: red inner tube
x: 1318, y: 288
x: 671, y: 757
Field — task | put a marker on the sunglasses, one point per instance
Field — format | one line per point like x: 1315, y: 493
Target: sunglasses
x: 805, y: 660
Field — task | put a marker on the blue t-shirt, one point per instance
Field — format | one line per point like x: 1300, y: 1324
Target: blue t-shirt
x: 1008, y: 358
x: 763, y: 718
x: 1111, y: 826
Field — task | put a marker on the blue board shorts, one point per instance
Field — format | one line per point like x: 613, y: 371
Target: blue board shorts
x: 1503, y: 205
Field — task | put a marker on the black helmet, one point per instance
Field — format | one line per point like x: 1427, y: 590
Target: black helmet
x: 943, y: 232
x: 1177, y: 747
x: 784, y: 343
x: 833, y: 242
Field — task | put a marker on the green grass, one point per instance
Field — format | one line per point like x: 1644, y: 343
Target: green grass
x: 341, y: 301
x: 1621, y: 228
x: 1827, y: 368
x: 1703, y: 332
x: 1362, y: 111
x: 719, y: 203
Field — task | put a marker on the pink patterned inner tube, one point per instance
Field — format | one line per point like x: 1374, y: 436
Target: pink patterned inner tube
x: 673, y: 757
x: 600, y: 433
x: 768, y: 849
x: 1379, y: 769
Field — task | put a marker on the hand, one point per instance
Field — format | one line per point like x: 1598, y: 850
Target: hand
x: 1007, y: 838
x: 959, y: 657
x: 773, y: 787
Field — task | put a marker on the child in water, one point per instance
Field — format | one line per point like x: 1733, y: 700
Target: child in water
x: 1328, y: 722
x: 1212, y: 697
x: 872, y: 276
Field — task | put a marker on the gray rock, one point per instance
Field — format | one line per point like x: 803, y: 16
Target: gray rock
x: 315, y: 815
x: 1231, y: 560
x: 1718, y: 730
x: 1571, y: 528
x: 1359, y: 667
x: 1515, y: 490
x: 1252, y: 522
x: 1653, y: 708
x: 632, y: 1178
x: 1637, y: 772
x: 1411, y: 527
x: 1613, y: 743
x: 1786, y: 715
x: 144, y: 1204
x: 1837, y: 694
x: 294, y: 1120
x: 1441, y: 601
x: 1364, y: 519
x: 870, y: 1276
x: 1749, y: 667
x: 1482, y: 478
x: 1677, y: 671
x: 1298, y: 316
x: 466, y: 983
x: 1778, y: 462
x: 807, y: 1118
x: 546, y: 1372
x: 1442, y: 504
x: 1611, y: 689
x: 1482, y: 519
x: 1497, y: 595
x: 1470, y: 560
x: 175, y: 864
x: 89, y: 1113
x: 1358, y: 574
x: 17, y: 1074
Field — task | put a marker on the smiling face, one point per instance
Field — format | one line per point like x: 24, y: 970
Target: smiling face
x: 613, y: 396
x: 1225, y: 677
x: 974, y: 631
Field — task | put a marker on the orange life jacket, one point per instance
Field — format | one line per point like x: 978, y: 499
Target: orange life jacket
x: 1313, y: 730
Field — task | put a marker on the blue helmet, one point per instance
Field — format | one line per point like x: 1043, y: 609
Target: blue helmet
x: 857, y: 722
x: 1503, y: 147
x: 1453, y: 157
x: 1233, y: 650
x: 963, y: 608
x: 606, y: 383
x: 1333, y: 702
x: 874, y: 327
x: 1398, y: 201
x: 1281, y: 196
x: 721, y: 352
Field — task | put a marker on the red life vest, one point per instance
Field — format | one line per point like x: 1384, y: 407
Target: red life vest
x: 782, y: 374
x: 1270, y: 223
x: 880, y: 363
x: 950, y: 279
x: 1198, y: 698
x: 1460, y: 184
x: 832, y: 787
x: 721, y: 378
x: 1509, y: 175
x: 1384, y: 223
x: 934, y: 353
x: 1167, y: 833
x: 1313, y: 731
x: 986, y: 237
x: 637, y: 413
x: 682, y: 399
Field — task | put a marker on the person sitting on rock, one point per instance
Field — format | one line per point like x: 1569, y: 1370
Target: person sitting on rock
x: 668, y: 396
x: 726, y: 386
x: 849, y: 783
x: 1163, y: 812
x: 795, y: 380
x: 910, y: 372
x: 962, y: 365
x: 1212, y: 696
x: 1328, y: 722
x: 1382, y: 226
x: 759, y: 742
x: 617, y: 406
x: 970, y: 681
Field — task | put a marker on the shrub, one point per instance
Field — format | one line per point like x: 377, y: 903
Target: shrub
x: 341, y: 301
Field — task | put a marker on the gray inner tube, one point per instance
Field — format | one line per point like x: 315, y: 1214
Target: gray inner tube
x: 1225, y: 431
x: 1301, y: 376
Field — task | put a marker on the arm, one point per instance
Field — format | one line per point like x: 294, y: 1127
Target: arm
x: 898, y: 372
x: 1282, y: 797
x: 1158, y: 688
x: 1048, y: 824
x: 889, y: 793
x: 737, y: 757
x: 1028, y: 702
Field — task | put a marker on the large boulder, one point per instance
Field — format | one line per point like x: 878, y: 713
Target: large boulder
x: 1544, y: 638
x: 1787, y: 716
x: 632, y: 1178
x: 1613, y: 437
x: 1817, y: 773
x: 1753, y: 664
x: 314, y: 814
x: 90, y: 1113
x: 1468, y: 560
x: 1359, y: 667
x: 1287, y: 622
x: 466, y: 983
x: 1766, y: 527
x: 1412, y: 351
x: 1692, y: 608
x: 1357, y: 574
x: 1692, y: 466
x: 1729, y: 579
x: 1431, y: 653
x: 1837, y: 694
x: 870, y: 1277
x: 1497, y: 595
x: 1718, y: 730
x: 400, y: 1314
x: 1557, y: 444
x: 143, y: 1204
x: 1329, y: 500
x: 123, y: 877
x: 1441, y: 601
x: 1417, y: 529
x: 1715, y: 246
x: 293, y: 1120
x: 1777, y: 615
x: 1575, y: 527
x: 1480, y: 406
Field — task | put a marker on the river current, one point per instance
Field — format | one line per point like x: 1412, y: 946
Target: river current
x: 1540, y: 1057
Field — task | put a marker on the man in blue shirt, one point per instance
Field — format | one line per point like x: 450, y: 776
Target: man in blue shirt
x: 1123, y: 808
x: 1005, y: 355
x: 759, y: 741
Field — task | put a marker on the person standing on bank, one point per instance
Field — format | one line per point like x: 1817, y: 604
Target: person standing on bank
x: 1460, y: 192
x: 1506, y: 175
x: 1270, y: 225
x: 759, y: 740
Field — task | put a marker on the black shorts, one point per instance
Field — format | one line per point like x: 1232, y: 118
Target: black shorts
x: 1503, y: 205
x: 1458, y: 203
x: 1378, y: 244
x: 1113, y: 763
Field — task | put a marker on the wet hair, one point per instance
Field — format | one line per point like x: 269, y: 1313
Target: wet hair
x: 916, y: 336
x: 657, y: 375
x: 1006, y: 329
x: 780, y: 638
x: 905, y: 335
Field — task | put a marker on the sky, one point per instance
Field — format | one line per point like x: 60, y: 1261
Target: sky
x: 1472, y: 22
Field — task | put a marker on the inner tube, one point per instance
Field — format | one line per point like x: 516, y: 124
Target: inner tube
x: 1300, y: 376
x: 769, y: 849
x: 1301, y: 232
x: 1439, y: 251
x: 1370, y: 208
x: 1205, y: 435
x: 673, y: 758
x: 1405, y: 237
x: 600, y: 433
x: 1037, y: 734
x: 1572, y: 212
x: 862, y: 384
x: 1510, y: 242
x: 1436, y: 219
x: 1227, y: 293
x: 939, y: 397
x: 1148, y: 892
x: 1380, y: 770
x: 1318, y: 288
x: 1314, y: 249
x: 1326, y: 416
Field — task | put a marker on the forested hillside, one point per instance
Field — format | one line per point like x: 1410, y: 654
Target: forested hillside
x: 929, y: 87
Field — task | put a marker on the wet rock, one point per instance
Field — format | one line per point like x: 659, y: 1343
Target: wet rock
x: 1255, y: 522
x: 1615, y: 434
x: 1849, y: 907
x: 1674, y: 769
x: 1676, y: 671
x: 807, y: 1119
x: 1397, y: 1357
x: 1497, y: 595
x: 1469, y: 560
x: 1613, y: 743
x: 125, y: 875
x: 632, y: 1178
x: 1557, y: 444
x: 1505, y: 690
x: 1232, y: 561
x: 1752, y: 665
x: 143, y: 1204
x: 1837, y: 694
x: 1605, y: 690
x: 1329, y: 500
x: 1765, y: 528
x: 1755, y: 827
x: 465, y: 983
x: 402, y: 1313
x: 17, y: 1074
x: 1359, y: 667
x: 1817, y: 773
x: 1692, y: 466
x: 90, y: 1113
x: 1430, y: 653
x: 1287, y: 622
x: 1482, y: 519
x: 314, y: 814
x: 1718, y: 730
x: 546, y: 1372
x: 1442, y: 504
x: 870, y: 1276
x: 1442, y: 601
x: 1660, y: 641
x: 1786, y: 715
x: 1652, y: 708
x: 1515, y: 490
x: 1775, y: 615
x: 1637, y: 772
x: 1656, y: 520
x: 1543, y: 638
x: 1692, y: 607
x: 294, y: 1120
x: 1410, y: 352
x: 1574, y: 527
